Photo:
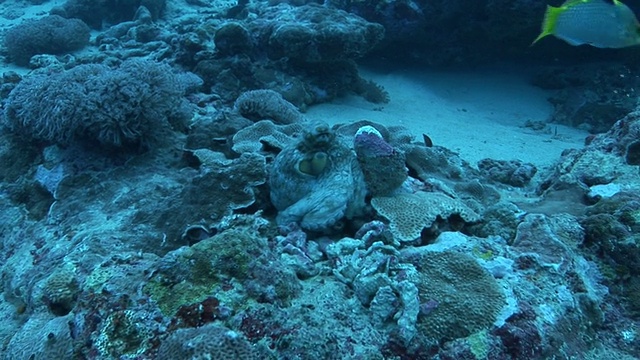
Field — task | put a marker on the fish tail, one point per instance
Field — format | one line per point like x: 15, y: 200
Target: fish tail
x: 549, y: 23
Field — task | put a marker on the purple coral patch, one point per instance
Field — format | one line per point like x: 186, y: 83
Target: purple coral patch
x: 371, y: 145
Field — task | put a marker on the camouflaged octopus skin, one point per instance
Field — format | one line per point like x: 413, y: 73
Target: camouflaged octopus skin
x: 317, y: 181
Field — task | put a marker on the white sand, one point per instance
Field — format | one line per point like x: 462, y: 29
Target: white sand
x: 478, y: 114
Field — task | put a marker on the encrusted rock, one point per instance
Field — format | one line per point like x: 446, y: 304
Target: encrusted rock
x: 267, y: 104
x: 317, y: 33
x: 265, y: 134
x: 383, y: 165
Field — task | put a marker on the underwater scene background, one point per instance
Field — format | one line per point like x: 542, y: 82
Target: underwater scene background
x: 347, y: 179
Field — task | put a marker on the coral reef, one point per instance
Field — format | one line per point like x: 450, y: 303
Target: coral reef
x: 221, y: 187
x: 500, y: 219
x: 191, y: 275
x: 514, y: 173
x: 232, y: 39
x: 96, y: 13
x: 207, y: 342
x: 244, y: 231
x: 611, y: 233
x: 265, y: 133
x: 81, y: 105
x: 430, y: 162
x: 267, y: 105
x: 306, y: 53
x: 590, y: 96
x: 574, y: 176
x: 308, y: 33
x: 42, y: 337
x: 48, y: 35
x: 61, y: 291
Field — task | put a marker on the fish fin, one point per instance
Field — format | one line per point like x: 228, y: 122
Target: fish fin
x: 614, y: 2
x: 577, y: 42
x: 549, y: 23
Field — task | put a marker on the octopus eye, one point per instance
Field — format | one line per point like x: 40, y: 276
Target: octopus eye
x: 315, y: 165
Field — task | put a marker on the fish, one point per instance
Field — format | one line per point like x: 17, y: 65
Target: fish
x: 599, y: 23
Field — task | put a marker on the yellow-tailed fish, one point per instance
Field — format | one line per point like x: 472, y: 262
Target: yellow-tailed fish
x: 599, y: 23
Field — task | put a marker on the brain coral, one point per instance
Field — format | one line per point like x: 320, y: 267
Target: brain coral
x: 60, y: 290
x: 409, y: 214
x: 42, y: 338
x: 464, y: 298
x: 206, y: 342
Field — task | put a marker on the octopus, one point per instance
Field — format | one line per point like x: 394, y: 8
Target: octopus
x: 317, y: 181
